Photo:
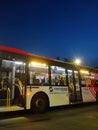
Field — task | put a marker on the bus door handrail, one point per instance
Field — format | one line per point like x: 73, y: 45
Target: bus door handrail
x: 8, y: 97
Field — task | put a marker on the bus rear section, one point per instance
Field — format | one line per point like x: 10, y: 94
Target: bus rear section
x: 89, y: 84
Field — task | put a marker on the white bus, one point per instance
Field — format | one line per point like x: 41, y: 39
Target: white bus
x: 29, y: 81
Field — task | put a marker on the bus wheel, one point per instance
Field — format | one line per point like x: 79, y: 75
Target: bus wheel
x: 39, y: 103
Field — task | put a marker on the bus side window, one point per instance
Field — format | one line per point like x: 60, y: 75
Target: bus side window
x: 38, y: 74
x: 58, y: 76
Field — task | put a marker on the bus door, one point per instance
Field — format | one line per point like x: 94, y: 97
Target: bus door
x: 9, y: 71
x: 78, y: 96
x: 74, y: 87
x: 18, y: 94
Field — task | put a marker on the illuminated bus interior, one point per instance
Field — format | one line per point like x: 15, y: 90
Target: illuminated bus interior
x: 29, y: 81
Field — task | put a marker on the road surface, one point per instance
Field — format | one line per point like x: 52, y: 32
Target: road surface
x: 64, y: 118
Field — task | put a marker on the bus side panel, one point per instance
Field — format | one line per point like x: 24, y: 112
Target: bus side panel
x: 88, y: 94
x: 57, y: 95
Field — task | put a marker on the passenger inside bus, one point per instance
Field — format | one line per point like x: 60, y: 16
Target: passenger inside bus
x: 56, y: 81
x: 59, y: 81
x: 71, y: 85
x: 18, y: 92
x: 4, y: 83
x: 62, y: 82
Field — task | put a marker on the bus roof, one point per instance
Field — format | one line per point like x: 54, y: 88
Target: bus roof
x: 15, y: 50
x: 10, y: 49
x: 19, y: 51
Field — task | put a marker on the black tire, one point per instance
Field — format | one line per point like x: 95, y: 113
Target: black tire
x: 39, y: 103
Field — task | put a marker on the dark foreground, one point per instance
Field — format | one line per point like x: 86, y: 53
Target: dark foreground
x: 79, y: 117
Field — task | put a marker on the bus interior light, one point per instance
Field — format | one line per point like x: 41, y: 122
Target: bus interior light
x: 84, y: 72
x: 36, y: 64
x: 19, y: 63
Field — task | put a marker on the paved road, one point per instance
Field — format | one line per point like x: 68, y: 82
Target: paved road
x: 66, y: 118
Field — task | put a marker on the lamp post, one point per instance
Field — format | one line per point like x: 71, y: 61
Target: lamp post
x: 77, y: 61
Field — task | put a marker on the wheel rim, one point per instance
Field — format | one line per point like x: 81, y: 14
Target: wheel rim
x: 40, y: 103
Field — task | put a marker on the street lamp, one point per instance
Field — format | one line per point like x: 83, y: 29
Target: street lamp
x: 78, y: 61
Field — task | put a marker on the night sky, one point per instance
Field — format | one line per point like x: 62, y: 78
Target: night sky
x: 52, y: 28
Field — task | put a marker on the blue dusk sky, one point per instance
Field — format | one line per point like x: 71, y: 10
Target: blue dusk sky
x: 52, y: 28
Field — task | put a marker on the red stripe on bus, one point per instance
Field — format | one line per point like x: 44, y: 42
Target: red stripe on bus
x: 15, y: 50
